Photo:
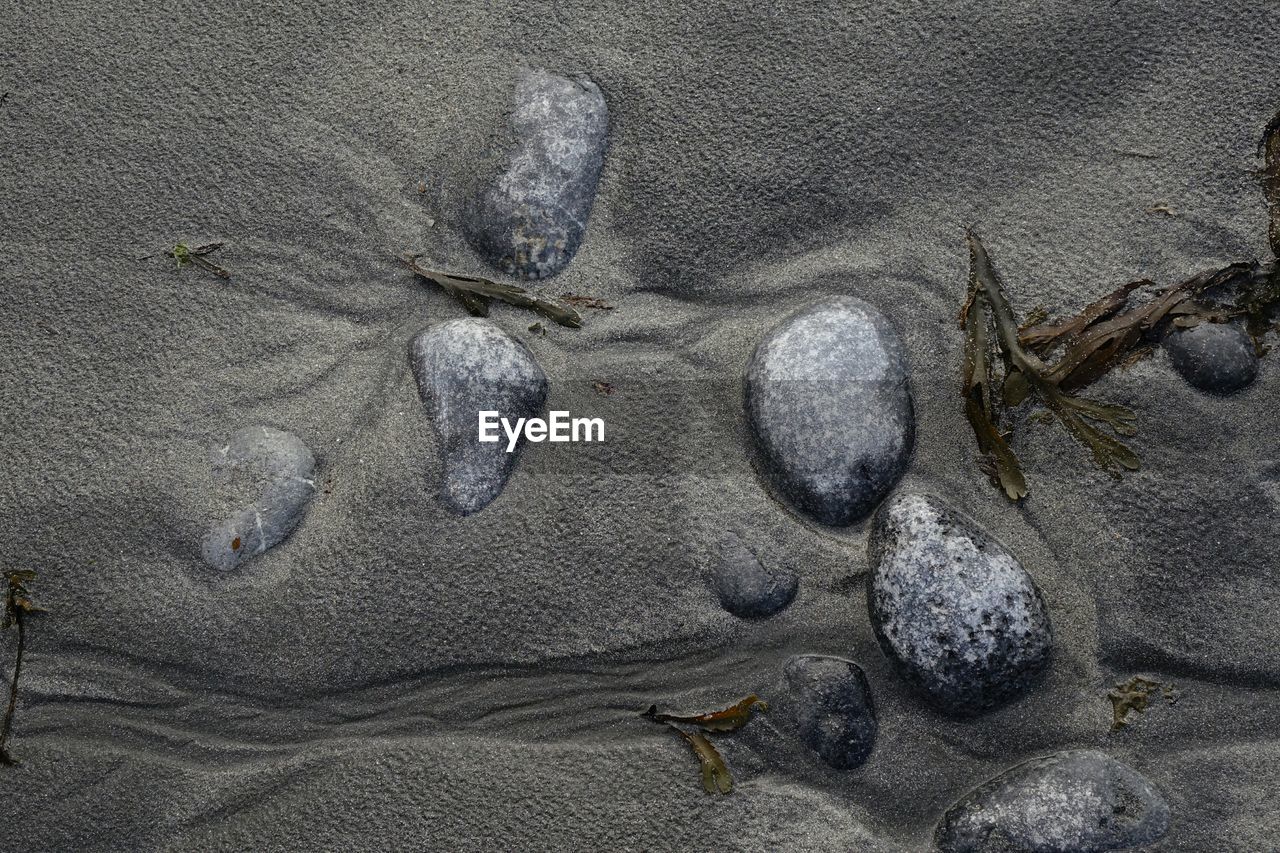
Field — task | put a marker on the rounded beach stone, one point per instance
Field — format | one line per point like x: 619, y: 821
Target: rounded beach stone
x: 530, y: 219
x: 1080, y: 801
x: 829, y: 403
x: 1214, y: 357
x: 957, y: 614
x: 463, y: 367
x: 832, y: 707
x: 277, y: 470
x: 745, y: 587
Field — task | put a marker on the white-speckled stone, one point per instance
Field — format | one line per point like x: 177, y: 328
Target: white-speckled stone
x: 1081, y: 801
x: 1214, y: 357
x: 277, y: 470
x: 960, y: 617
x: 829, y: 403
x: 530, y: 220
x: 463, y: 367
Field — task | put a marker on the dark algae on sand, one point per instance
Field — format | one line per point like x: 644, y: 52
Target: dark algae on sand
x: 1011, y: 367
x: 17, y: 607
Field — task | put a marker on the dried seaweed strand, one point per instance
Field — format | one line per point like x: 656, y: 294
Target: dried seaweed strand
x: 715, y: 773
x: 727, y: 719
x: 17, y: 605
x: 475, y: 294
x: 1023, y: 374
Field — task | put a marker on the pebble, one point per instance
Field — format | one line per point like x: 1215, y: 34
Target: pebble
x: 829, y: 403
x: 1214, y: 357
x: 278, y: 470
x: 529, y: 221
x: 463, y: 367
x: 831, y: 704
x: 1080, y: 801
x: 952, y: 608
x: 745, y: 587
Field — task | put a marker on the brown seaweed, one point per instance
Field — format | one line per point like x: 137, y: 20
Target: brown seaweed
x: 715, y: 773
x: 17, y: 607
x: 995, y: 358
x: 1134, y: 696
x: 476, y: 294
x: 727, y: 719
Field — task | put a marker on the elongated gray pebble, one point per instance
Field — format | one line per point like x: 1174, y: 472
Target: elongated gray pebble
x: 274, y: 470
x: 530, y: 220
x: 463, y: 367
x: 829, y: 403
x: 1080, y: 801
x: 952, y: 608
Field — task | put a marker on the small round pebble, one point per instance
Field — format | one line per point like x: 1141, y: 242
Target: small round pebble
x: 273, y: 471
x: 745, y: 587
x: 1214, y: 357
x: 832, y: 706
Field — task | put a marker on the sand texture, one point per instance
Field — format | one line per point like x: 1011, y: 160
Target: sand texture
x: 394, y: 675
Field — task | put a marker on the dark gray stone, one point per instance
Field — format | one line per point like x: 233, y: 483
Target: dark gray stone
x: 1214, y: 357
x: 529, y: 220
x: 831, y: 703
x: 745, y: 587
x: 1081, y: 801
x: 276, y: 469
x: 957, y: 614
x: 463, y: 367
x: 830, y: 405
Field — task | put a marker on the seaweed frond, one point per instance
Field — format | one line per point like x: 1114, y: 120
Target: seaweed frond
x: 716, y: 777
x: 999, y: 354
x: 715, y: 773
x: 476, y: 294
x: 728, y: 719
x: 17, y: 607
x: 1134, y: 696
x: 185, y: 255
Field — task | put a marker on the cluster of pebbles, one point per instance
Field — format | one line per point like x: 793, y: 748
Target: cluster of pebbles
x: 828, y: 399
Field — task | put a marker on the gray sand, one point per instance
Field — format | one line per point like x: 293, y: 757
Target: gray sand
x: 395, y: 676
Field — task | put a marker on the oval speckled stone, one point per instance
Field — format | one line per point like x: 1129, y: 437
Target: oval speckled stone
x: 745, y: 587
x: 829, y: 403
x: 1216, y: 357
x: 530, y: 219
x: 831, y: 703
x: 276, y: 470
x: 1080, y: 801
x: 952, y: 608
x: 463, y: 367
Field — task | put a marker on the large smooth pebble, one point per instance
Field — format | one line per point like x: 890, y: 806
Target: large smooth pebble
x: 952, y: 608
x: 832, y: 707
x: 530, y: 219
x: 463, y: 367
x: 1080, y: 801
x: 1214, y: 357
x: 829, y: 403
x: 276, y: 471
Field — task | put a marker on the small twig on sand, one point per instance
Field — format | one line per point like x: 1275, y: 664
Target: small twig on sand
x: 475, y: 294
x: 17, y: 606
